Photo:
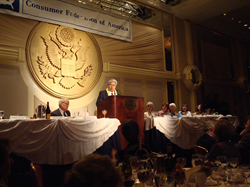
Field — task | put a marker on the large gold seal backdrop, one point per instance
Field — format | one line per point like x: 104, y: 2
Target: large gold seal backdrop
x: 63, y: 61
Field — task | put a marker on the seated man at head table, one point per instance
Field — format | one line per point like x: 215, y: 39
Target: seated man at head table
x: 63, y: 108
x: 206, y: 140
x: 110, y: 91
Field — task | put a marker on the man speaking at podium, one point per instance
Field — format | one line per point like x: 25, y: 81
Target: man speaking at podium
x: 110, y: 91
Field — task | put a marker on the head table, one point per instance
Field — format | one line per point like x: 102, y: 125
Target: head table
x: 183, y: 131
x: 59, y: 141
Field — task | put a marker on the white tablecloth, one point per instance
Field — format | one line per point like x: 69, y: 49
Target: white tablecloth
x: 183, y: 131
x: 57, y: 141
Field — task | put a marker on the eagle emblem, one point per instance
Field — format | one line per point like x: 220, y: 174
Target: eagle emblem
x: 64, y: 60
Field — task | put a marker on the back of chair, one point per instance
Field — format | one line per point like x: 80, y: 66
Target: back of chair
x: 36, y: 173
x: 200, y: 150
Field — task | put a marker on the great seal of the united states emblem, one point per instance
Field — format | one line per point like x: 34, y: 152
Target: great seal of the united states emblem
x: 65, y: 62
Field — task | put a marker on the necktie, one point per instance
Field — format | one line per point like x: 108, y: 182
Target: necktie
x: 64, y: 114
x: 112, y: 93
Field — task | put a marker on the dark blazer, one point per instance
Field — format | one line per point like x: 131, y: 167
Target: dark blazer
x: 244, y: 148
x: 58, y: 113
x: 206, y: 141
x: 103, y: 95
x: 224, y: 148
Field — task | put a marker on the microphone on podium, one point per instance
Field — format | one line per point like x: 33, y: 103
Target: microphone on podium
x: 118, y: 92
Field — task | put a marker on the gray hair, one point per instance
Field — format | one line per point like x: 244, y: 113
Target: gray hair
x: 172, y: 104
x: 112, y: 80
x: 208, y: 125
x: 62, y: 100
x: 150, y: 103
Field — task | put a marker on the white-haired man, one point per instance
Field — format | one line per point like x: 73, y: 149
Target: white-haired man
x: 206, y: 140
x: 63, y: 108
x: 110, y: 91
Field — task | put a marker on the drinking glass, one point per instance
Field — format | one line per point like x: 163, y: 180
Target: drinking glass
x: 200, y: 178
x: 181, y: 161
x: 233, y: 163
x: 196, y: 160
x: 166, y: 180
x: 179, y: 177
x: 104, y: 112
x: 144, y: 171
x: 245, y: 170
x: 1, y: 114
x: 217, y: 174
x: 222, y: 160
x: 135, y: 164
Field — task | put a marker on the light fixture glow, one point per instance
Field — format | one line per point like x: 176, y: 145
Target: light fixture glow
x: 232, y: 18
x: 239, y: 21
x: 224, y: 14
x: 245, y: 25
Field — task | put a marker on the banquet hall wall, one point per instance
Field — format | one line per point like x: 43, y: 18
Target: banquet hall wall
x: 139, y: 68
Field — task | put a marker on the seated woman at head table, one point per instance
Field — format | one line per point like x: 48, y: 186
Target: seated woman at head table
x: 150, y: 112
x: 184, y: 110
x: 172, y: 112
x: 164, y: 109
x: 199, y: 110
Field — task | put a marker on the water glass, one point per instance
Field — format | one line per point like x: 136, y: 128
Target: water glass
x: 1, y: 114
x: 245, y: 170
x: 200, y: 178
x: 166, y: 180
x: 196, y: 160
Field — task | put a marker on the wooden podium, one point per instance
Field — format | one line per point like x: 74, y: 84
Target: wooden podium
x: 122, y: 108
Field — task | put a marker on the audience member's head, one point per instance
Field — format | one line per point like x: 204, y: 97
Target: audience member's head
x: 130, y: 130
x: 5, y: 160
x: 150, y: 106
x: 64, y: 104
x: 223, y: 130
x: 184, y: 107
x: 94, y: 171
x: 209, y: 126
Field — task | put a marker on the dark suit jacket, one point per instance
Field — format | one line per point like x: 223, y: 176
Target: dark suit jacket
x: 103, y: 95
x: 206, y: 141
x: 244, y: 148
x: 224, y: 148
x: 58, y: 113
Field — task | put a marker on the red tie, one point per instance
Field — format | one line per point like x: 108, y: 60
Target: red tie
x: 112, y: 93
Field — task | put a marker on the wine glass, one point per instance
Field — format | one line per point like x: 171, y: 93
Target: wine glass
x: 181, y: 161
x: 166, y: 179
x: 200, y: 178
x: 135, y: 164
x: 196, y: 160
x: 233, y: 163
x: 144, y: 171
x: 1, y: 114
x: 179, y: 177
x: 245, y: 170
x: 222, y: 160
x: 104, y: 112
x: 217, y: 174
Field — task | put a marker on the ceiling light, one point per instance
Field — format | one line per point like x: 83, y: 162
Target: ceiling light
x: 245, y: 25
x: 239, y: 21
x: 232, y: 18
x: 224, y: 14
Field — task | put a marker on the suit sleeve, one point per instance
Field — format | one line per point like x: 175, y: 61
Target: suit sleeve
x: 100, y: 98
